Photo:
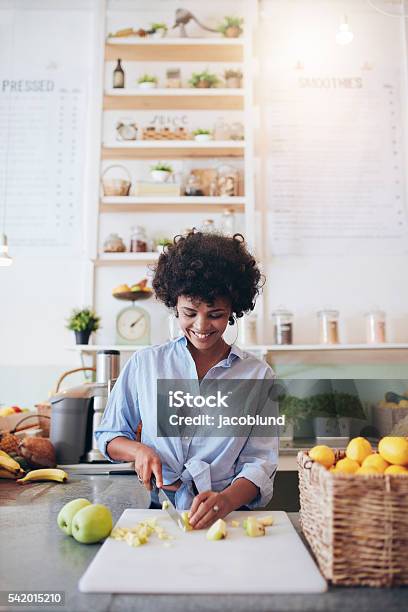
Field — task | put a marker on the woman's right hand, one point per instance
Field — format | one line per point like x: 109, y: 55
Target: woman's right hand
x: 147, y: 462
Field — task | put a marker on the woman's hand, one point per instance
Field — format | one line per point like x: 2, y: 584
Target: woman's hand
x: 147, y: 462
x: 202, y: 513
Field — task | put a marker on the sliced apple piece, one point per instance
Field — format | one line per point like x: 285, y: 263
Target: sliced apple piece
x: 266, y: 521
x: 253, y: 527
x: 218, y: 531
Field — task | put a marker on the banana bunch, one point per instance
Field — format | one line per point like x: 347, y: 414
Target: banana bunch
x: 44, y: 474
x: 9, y: 468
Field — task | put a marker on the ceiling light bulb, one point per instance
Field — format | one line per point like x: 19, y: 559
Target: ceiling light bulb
x: 344, y: 35
x: 5, y: 259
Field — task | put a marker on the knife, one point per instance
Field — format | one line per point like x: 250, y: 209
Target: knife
x: 168, y: 506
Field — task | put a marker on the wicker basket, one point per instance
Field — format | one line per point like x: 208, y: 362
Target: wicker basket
x: 357, y: 526
x: 116, y: 186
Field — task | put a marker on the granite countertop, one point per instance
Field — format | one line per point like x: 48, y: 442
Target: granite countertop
x: 36, y: 555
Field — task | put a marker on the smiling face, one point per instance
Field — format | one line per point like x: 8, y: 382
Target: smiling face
x: 203, y: 324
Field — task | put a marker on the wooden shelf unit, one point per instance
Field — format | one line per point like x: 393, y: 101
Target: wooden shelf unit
x: 172, y: 52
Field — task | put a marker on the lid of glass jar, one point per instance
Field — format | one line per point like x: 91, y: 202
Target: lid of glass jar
x: 328, y: 313
x: 282, y: 312
x: 379, y: 314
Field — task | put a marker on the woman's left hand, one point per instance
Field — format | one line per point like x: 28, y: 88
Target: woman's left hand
x: 208, y: 507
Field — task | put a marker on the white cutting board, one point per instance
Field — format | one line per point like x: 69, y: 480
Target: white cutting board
x: 275, y: 563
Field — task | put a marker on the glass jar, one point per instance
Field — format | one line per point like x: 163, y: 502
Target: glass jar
x: 228, y: 222
x: 114, y: 244
x: 208, y: 226
x: 138, y: 240
x: 283, y: 326
x: 193, y: 186
x: 237, y: 131
x: 328, y: 326
x: 228, y: 178
x: 375, y: 327
x: 247, y: 330
x: 221, y: 130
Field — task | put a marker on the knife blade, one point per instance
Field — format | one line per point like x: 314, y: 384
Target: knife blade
x: 168, y: 506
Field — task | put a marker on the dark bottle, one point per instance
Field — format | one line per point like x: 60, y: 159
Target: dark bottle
x: 118, y: 76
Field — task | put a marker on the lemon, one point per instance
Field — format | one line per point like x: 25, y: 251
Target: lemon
x: 347, y: 466
x: 375, y: 460
x: 358, y: 449
x: 367, y: 470
x: 394, y: 450
x: 396, y: 469
x: 322, y: 454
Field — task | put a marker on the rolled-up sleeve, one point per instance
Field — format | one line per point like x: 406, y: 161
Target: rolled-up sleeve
x: 258, y: 462
x: 258, y: 459
x: 121, y: 416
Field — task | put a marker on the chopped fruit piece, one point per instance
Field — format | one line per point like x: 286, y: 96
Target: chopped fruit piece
x: 254, y: 528
x: 185, y: 522
x: 266, y: 521
x: 165, y: 505
x: 234, y: 523
x: 218, y: 531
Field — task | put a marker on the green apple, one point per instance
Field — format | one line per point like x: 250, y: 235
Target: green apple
x: 218, y: 531
x: 92, y: 524
x: 67, y: 513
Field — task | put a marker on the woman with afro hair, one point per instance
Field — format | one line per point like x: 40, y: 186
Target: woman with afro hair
x: 208, y: 281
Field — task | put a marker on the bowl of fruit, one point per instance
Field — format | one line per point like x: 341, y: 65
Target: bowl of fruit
x: 132, y: 293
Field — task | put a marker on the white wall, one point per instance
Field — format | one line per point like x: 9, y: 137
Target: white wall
x: 352, y: 282
x: 38, y: 291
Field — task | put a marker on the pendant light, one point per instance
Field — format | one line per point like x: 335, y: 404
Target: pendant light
x: 344, y: 35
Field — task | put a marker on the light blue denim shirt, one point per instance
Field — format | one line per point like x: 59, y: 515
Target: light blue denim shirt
x: 212, y: 463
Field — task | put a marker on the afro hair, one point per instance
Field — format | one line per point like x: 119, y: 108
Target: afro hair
x: 206, y: 266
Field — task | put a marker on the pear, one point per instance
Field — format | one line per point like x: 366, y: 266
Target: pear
x: 67, y: 513
x: 218, y: 531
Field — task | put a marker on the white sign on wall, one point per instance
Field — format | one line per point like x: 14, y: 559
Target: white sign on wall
x: 43, y: 105
x: 335, y: 181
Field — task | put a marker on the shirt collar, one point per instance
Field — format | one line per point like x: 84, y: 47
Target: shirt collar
x: 235, y: 351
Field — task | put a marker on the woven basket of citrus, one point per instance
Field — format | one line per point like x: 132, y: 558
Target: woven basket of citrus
x: 354, y: 510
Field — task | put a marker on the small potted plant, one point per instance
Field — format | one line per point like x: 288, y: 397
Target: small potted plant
x: 233, y: 78
x: 203, y: 80
x: 147, y: 81
x: 83, y: 323
x: 161, y: 244
x: 201, y: 135
x: 231, y: 27
x: 161, y: 172
x: 158, y: 30
x: 322, y: 409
